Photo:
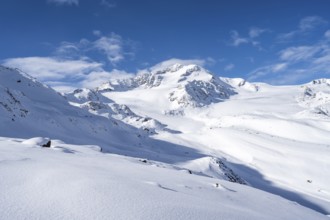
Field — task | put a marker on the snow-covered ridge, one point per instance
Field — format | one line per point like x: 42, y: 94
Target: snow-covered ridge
x: 241, y: 83
x: 94, y: 102
x: 321, y: 81
x: 18, y: 90
x: 315, y: 96
x: 29, y: 108
x: 185, y: 85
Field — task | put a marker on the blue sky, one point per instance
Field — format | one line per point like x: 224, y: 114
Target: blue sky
x: 75, y: 43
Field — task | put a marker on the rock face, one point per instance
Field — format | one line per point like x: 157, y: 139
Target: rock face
x: 315, y: 96
x: 199, y: 93
x: 47, y: 144
x: 230, y: 175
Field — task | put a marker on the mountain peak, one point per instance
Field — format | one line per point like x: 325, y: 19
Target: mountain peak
x: 169, y: 76
x: 184, y: 85
x: 175, y: 68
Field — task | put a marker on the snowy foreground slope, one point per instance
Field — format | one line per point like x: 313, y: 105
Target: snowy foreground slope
x: 177, y: 137
x: 78, y: 182
x: 277, y: 138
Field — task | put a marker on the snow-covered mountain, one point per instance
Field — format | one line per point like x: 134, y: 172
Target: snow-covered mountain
x: 180, y: 135
x: 183, y: 85
x: 29, y: 108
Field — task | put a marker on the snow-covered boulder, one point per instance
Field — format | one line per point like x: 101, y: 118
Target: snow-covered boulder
x: 38, y: 141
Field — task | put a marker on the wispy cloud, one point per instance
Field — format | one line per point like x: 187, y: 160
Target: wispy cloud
x: 97, y: 33
x: 71, y: 65
x: 64, y: 2
x: 236, y: 40
x: 49, y: 68
x: 310, y: 22
x: 68, y: 50
x: 300, y: 53
x: 297, y: 64
x: 229, y: 67
x: 254, y: 33
x: 108, y: 4
x: 306, y: 25
x: 327, y: 34
x: 112, y: 46
x: 96, y: 78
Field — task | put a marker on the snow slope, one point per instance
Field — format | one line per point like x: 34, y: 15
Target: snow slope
x: 29, y: 108
x: 183, y: 135
x: 274, y: 137
x: 79, y: 182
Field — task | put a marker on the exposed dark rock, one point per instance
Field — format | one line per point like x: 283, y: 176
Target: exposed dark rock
x: 47, y: 144
x: 230, y: 174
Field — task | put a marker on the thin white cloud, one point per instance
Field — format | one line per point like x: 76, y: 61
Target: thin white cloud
x: 279, y: 67
x: 287, y: 36
x: 61, y: 87
x: 300, y: 53
x: 68, y: 50
x: 229, y: 67
x: 296, y: 64
x: 72, y: 50
x: 327, y: 34
x: 97, y: 33
x: 266, y: 70
x: 112, y: 46
x: 64, y: 2
x: 306, y: 25
x: 311, y: 22
x: 108, y: 4
x: 236, y: 40
x: 70, y: 66
x: 209, y: 61
x: 251, y: 59
x: 52, y: 69
x: 255, y: 32
x: 96, y: 78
